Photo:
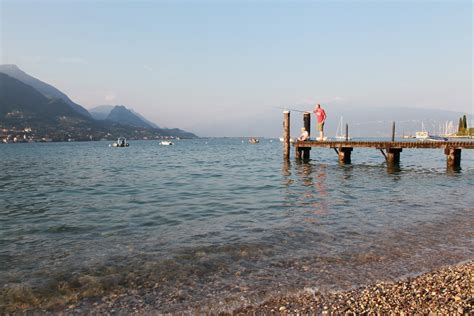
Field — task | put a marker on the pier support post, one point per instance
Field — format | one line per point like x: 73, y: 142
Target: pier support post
x: 345, y: 155
x: 307, y: 127
x: 393, y: 156
x: 453, y: 157
x: 298, y: 152
x: 286, y: 135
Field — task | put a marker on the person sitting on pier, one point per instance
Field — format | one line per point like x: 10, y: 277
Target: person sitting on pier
x: 304, y: 135
x: 321, y: 117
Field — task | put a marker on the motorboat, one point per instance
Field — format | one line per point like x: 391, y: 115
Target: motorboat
x: 254, y: 140
x: 166, y: 143
x: 121, y: 142
x: 291, y: 140
x: 436, y: 138
x: 424, y: 135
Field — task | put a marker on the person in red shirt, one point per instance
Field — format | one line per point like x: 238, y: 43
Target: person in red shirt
x: 321, y: 118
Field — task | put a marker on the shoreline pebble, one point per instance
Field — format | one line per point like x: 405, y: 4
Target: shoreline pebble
x: 448, y: 290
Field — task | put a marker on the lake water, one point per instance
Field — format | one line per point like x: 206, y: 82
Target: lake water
x: 220, y: 222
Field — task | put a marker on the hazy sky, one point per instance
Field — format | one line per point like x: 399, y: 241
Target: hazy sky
x: 193, y: 64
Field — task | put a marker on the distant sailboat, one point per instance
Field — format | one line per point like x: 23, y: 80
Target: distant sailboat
x: 340, y: 135
x: 424, y: 135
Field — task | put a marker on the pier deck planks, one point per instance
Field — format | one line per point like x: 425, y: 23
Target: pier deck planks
x: 386, y: 144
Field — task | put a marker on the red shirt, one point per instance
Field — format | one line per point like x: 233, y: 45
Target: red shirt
x: 320, y: 115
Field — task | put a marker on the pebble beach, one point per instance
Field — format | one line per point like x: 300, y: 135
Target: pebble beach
x: 449, y: 290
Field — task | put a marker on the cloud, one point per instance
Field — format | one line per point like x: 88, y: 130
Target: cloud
x: 109, y: 97
x: 72, y: 60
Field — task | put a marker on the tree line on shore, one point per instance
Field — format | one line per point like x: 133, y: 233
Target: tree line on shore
x: 463, y: 129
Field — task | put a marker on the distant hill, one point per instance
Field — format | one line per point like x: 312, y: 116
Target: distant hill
x: 21, y: 102
x: 120, y: 114
x: 47, y: 90
x: 28, y: 103
x: 101, y: 112
x: 44, y: 88
x: 23, y: 107
x: 144, y: 119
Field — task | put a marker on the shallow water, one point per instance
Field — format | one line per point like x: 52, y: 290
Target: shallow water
x: 221, y: 222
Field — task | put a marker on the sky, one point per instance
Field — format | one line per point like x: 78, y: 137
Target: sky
x: 205, y: 65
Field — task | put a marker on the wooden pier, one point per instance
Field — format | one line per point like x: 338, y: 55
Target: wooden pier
x: 390, y: 149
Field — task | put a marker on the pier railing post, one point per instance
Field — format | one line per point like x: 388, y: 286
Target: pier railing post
x: 347, y: 132
x: 307, y: 127
x: 307, y: 122
x: 286, y: 135
x: 393, y: 131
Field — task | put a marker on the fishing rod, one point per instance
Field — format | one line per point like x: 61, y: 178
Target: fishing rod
x: 277, y: 107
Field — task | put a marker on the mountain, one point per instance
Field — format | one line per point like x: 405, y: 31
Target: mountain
x: 101, y: 112
x: 46, y: 89
x: 28, y: 114
x: 21, y: 102
x: 144, y: 119
x: 177, y: 132
x: 27, y: 103
x: 122, y: 115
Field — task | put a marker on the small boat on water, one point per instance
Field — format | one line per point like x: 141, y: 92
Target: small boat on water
x: 121, y: 142
x: 166, y: 143
x: 254, y: 140
x: 433, y: 138
x: 291, y: 140
x: 424, y: 135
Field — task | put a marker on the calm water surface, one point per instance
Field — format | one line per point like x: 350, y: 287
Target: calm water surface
x: 219, y: 222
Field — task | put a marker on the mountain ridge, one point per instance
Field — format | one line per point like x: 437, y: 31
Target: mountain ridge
x: 18, y: 98
x: 121, y: 114
x: 46, y: 89
x: 27, y: 102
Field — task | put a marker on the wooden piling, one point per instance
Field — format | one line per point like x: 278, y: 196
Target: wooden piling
x: 393, y: 131
x: 453, y: 157
x: 286, y: 135
x: 298, y: 153
x: 345, y: 155
x: 347, y: 132
x: 307, y: 122
x: 393, y: 156
x: 307, y: 127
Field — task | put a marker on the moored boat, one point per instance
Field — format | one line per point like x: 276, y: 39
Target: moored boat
x: 424, y: 135
x: 121, y: 142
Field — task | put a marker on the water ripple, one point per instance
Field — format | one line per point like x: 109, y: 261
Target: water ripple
x: 210, y: 217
